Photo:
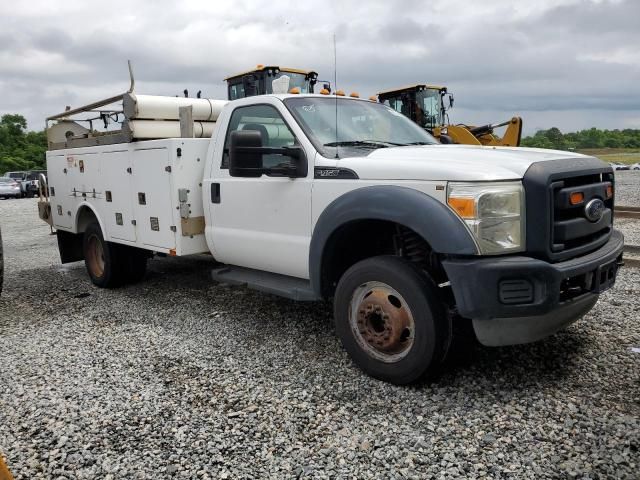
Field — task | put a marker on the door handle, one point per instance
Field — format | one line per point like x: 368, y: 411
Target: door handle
x: 215, y: 193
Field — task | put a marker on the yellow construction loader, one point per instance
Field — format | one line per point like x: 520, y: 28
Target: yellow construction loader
x: 260, y: 81
x: 425, y: 105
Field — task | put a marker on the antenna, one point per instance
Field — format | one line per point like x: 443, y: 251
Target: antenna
x: 335, y: 86
x: 131, y: 79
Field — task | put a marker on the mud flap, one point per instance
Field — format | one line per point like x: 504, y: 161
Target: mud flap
x: 70, y: 246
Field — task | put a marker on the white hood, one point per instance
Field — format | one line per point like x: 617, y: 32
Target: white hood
x: 450, y: 162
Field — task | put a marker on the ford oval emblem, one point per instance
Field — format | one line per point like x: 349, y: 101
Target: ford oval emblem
x: 594, y: 210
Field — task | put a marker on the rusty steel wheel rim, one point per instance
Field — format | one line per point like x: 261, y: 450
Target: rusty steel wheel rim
x: 381, y: 322
x: 95, y: 256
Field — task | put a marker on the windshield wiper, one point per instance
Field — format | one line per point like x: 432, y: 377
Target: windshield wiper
x: 420, y: 143
x: 357, y: 143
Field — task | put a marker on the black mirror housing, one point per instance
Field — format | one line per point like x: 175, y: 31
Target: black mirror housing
x: 245, y: 156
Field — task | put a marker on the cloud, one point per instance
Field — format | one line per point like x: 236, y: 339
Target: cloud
x: 570, y: 60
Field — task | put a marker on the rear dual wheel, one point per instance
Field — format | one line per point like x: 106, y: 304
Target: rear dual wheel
x: 391, y: 320
x: 110, y: 264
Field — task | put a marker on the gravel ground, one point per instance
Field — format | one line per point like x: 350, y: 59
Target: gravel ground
x: 177, y: 377
x: 628, y: 188
x: 628, y: 195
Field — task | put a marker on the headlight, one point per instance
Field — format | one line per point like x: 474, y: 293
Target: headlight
x: 494, y: 212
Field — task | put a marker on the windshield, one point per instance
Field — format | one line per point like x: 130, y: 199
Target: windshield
x: 295, y: 80
x: 428, y: 108
x: 362, y: 125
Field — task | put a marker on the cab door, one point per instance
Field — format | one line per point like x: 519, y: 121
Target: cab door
x: 263, y: 223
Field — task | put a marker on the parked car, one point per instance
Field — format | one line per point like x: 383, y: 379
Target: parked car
x: 29, y: 181
x: 619, y: 166
x: 31, y: 185
x: 21, y: 178
x: 635, y: 166
x: 9, y: 188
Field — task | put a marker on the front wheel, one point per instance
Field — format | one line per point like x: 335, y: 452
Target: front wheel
x: 390, y: 319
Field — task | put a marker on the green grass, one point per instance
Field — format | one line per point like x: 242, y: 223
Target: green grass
x: 616, y: 155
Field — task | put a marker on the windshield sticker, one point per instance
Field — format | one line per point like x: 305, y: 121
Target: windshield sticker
x: 309, y: 108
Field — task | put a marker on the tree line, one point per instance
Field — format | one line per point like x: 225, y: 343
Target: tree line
x: 21, y: 149
x: 591, y: 138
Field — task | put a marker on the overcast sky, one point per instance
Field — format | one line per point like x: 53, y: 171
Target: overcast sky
x: 573, y: 64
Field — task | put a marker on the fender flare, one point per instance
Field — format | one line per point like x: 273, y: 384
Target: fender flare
x: 76, y: 217
x: 443, y: 230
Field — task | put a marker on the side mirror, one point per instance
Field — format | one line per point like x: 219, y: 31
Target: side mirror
x: 246, y: 157
x: 450, y: 101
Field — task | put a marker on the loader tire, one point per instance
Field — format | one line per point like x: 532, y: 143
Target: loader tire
x: 102, y: 259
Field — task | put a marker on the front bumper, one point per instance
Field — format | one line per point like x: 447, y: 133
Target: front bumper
x: 520, y: 299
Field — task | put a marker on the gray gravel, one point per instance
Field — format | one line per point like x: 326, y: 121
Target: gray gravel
x: 628, y: 195
x: 180, y: 378
x: 628, y: 188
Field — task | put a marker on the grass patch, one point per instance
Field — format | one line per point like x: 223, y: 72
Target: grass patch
x: 617, y: 155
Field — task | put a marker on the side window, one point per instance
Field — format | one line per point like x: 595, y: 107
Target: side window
x: 266, y: 120
x: 236, y: 91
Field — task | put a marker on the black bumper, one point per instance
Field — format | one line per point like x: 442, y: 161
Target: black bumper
x: 517, y: 286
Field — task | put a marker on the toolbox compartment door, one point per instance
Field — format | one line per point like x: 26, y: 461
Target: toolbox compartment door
x: 151, y: 198
x: 118, y: 210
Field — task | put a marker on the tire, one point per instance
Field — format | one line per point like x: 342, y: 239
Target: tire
x: 399, y: 331
x: 102, y: 259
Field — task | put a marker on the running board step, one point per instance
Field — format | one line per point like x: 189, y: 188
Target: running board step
x: 274, y: 283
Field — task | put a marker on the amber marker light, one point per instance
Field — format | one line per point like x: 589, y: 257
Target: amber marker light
x: 373, y: 98
x: 576, y: 197
x: 465, y: 207
x: 340, y: 93
x: 294, y: 90
x: 324, y: 91
x: 354, y: 95
x: 609, y: 191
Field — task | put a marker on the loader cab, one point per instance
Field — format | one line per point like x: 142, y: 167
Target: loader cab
x: 424, y: 104
x: 270, y: 79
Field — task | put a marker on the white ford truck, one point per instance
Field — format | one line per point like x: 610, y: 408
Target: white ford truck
x: 320, y: 197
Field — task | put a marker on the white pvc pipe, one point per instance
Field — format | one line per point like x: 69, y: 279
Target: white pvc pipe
x: 155, y: 107
x: 148, y: 129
